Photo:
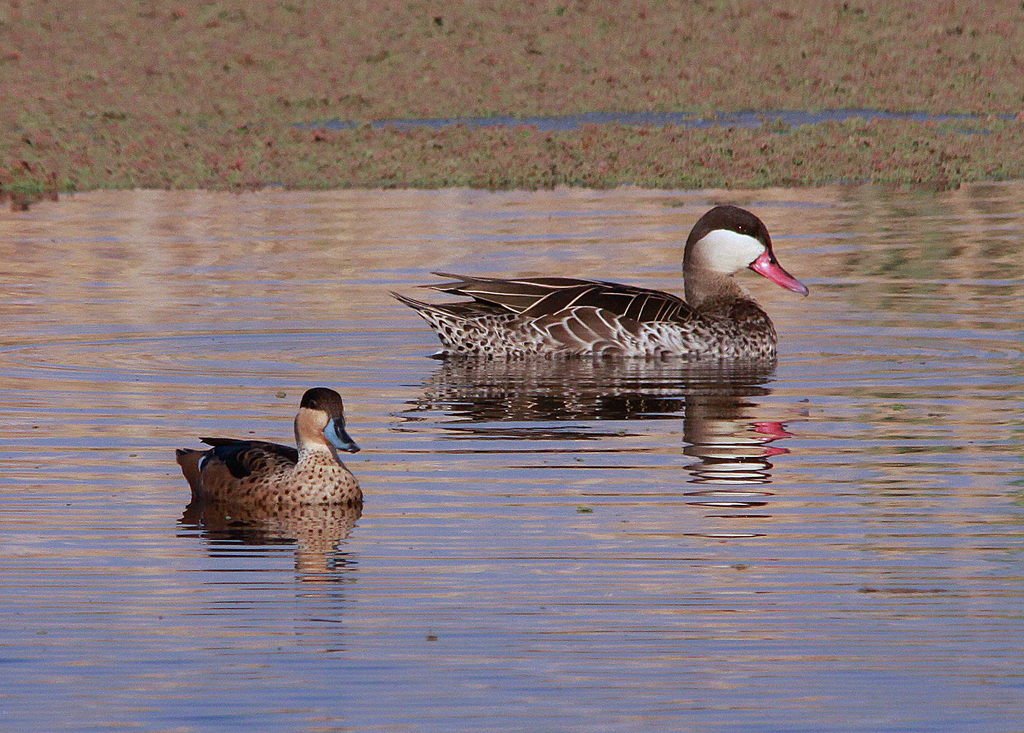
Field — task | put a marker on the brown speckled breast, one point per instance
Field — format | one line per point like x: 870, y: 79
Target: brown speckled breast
x: 272, y: 480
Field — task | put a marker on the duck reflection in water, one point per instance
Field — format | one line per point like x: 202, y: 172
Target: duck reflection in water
x: 316, y: 531
x: 733, y: 452
x: 718, y: 401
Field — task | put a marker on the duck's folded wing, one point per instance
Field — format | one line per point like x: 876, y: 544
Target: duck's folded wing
x: 515, y: 296
x: 614, y: 300
x: 242, y: 458
x: 548, y: 296
x: 587, y: 330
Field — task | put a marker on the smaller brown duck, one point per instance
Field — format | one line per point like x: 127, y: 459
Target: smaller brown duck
x: 566, y: 317
x: 258, y: 474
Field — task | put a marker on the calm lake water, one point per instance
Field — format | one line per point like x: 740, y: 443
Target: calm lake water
x: 835, y: 544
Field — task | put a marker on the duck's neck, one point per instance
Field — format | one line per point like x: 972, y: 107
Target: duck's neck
x: 318, y: 454
x: 312, y: 445
x: 702, y: 285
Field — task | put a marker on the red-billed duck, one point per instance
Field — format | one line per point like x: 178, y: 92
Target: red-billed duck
x: 564, y: 317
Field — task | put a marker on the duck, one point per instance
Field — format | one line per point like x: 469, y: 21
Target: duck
x: 259, y: 475
x: 567, y: 317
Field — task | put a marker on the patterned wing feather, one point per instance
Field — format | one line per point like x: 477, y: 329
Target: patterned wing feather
x: 536, y: 297
x: 583, y: 329
x: 639, y: 304
x: 516, y: 296
x: 244, y: 457
x: 451, y: 311
x: 623, y: 301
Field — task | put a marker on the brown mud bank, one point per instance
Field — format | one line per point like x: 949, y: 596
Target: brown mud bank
x: 221, y: 95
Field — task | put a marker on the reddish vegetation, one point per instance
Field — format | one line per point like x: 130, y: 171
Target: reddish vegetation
x: 206, y: 94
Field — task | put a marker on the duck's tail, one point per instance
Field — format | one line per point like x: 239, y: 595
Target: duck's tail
x: 417, y: 305
x: 189, y: 459
x: 463, y: 328
x: 444, y: 324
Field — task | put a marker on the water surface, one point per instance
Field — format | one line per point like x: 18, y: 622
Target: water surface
x: 832, y: 544
x: 559, y: 123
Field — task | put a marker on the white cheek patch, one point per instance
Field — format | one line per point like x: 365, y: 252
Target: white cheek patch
x: 724, y: 250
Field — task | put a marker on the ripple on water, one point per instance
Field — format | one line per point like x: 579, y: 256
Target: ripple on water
x: 665, y: 540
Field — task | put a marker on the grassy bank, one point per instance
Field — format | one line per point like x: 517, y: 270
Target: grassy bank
x: 209, y: 94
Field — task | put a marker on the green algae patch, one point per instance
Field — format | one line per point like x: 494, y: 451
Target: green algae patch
x: 220, y: 94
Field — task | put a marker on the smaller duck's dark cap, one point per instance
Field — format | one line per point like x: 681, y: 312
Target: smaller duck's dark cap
x: 322, y: 398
